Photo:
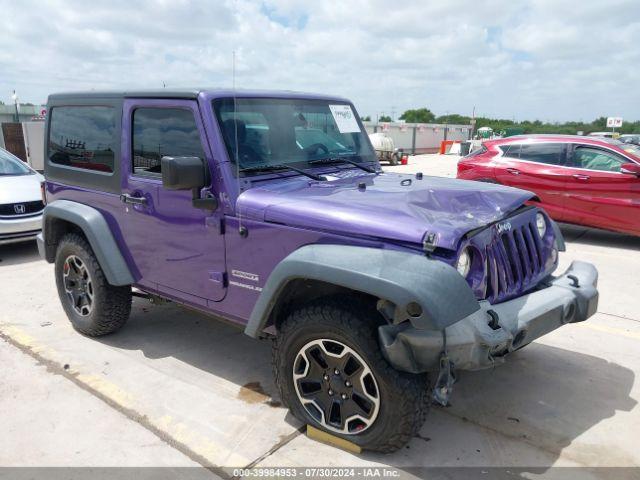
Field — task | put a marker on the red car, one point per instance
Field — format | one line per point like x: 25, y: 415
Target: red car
x: 583, y: 180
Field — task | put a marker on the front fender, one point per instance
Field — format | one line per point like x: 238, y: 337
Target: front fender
x: 398, y: 277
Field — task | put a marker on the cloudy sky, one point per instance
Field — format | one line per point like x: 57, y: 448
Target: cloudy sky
x: 540, y: 59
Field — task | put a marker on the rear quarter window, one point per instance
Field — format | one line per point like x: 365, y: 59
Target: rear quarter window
x: 549, y: 153
x: 477, y: 151
x: 83, y: 137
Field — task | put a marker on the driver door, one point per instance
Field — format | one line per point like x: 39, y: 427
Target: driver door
x: 598, y: 194
x: 177, y: 248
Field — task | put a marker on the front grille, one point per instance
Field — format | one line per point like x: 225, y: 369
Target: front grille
x: 21, y: 208
x: 515, y: 262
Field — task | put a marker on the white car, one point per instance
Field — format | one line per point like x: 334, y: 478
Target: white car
x: 20, y: 200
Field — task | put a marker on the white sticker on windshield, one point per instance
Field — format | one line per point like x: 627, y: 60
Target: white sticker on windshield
x: 345, y: 119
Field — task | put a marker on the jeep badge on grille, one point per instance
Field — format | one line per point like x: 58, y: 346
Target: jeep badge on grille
x: 504, y: 227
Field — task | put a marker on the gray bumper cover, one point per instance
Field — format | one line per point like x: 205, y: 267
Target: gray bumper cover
x: 473, y: 344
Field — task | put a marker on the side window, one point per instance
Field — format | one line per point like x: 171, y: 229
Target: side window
x: 477, y: 151
x: 549, y: 153
x: 160, y: 132
x: 83, y: 137
x: 512, y: 150
x: 596, y: 159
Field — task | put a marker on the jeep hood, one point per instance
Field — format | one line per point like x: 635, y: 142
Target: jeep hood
x: 391, y: 206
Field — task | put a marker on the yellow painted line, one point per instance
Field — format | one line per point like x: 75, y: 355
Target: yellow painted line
x: 176, y: 431
x: 108, y: 389
x: 611, y: 330
x: 19, y: 336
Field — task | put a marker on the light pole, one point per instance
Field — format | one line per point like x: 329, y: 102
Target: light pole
x: 14, y: 97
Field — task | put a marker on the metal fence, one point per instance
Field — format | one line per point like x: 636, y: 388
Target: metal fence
x: 420, y: 137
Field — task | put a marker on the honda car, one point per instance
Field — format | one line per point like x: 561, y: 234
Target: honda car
x: 20, y: 200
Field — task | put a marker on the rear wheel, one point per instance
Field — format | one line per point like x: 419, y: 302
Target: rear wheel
x: 93, y: 306
x: 331, y: 373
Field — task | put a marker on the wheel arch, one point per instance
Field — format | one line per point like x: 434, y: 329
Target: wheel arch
x: 299, y: 291
x: 63, y: 216
x: 397, y: 278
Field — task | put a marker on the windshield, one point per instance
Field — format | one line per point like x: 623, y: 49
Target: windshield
x: 270, y: 132
x: 11, y: 165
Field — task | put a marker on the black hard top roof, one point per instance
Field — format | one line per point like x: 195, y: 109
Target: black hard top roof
x: 184, y: 93
x: 152, y: 93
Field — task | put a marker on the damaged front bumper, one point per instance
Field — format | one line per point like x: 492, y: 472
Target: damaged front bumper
x: 483, y: 338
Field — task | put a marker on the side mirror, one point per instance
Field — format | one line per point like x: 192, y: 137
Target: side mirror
x: 631, y: 169
x: 188, y: 173
x: 183, y: 173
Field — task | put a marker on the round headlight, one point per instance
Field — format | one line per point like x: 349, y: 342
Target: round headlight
x: 541, y: 224
x: 464, y: 263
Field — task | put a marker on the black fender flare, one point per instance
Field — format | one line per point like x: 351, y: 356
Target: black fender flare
x: 560, y: 245
x: 96, y: 230
x: 399, y: 277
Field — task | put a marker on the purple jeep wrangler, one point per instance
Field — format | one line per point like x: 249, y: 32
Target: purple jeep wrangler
x: 269, y: 209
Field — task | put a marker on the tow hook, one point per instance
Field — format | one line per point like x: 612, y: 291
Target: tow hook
x: 575, y: 283
x: 444, y: 384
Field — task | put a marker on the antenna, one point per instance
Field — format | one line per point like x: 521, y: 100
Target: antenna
x: 241, y: 229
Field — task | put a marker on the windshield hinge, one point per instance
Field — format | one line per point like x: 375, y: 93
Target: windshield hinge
x: 429, y: 243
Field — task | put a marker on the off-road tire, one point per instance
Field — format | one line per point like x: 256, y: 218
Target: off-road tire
x: 404, y: 397
x: 111, y: 304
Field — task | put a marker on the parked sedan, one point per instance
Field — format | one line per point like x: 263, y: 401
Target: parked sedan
x: 583, y: 180
x: 20, y: 200
x: 630, y: 138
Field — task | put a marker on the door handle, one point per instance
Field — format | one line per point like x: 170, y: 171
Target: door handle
x: 126, y: 198
x: 580, y: 176
x: 513, y: 171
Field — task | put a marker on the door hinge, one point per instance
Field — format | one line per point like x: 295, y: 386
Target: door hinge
x: 218, y: 277
x: 217, y: 223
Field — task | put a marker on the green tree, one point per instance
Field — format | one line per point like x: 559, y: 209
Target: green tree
x: 384, y: 118
x: 366, y: 119
x: 599, y: 124
x: 453, y: 118
x: 419, y: 115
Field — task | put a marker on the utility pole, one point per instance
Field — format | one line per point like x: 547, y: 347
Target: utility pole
x: 446, y: 125
x: 14, y: 97
x: 473, y: 122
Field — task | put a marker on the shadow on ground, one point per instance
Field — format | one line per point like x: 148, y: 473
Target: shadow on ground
x: 599, y: 238
x: 18, y: 253
x: 543, y: 395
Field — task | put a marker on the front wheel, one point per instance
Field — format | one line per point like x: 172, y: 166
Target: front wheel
x: 331, y: 373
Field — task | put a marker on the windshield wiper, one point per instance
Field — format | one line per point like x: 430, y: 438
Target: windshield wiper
x: 269, y: 168
x: 320, y: 161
